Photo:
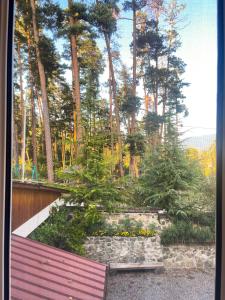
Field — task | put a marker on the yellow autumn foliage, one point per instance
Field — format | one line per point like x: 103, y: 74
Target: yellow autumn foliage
x: 207, y: 159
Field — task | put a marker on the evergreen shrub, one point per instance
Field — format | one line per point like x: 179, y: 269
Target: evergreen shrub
x: 186, y: 233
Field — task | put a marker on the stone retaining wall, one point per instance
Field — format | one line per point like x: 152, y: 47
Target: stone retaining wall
x: 185, y: 256
x: 123, y: 249
x: 160, y: 221
x: 145, y: 250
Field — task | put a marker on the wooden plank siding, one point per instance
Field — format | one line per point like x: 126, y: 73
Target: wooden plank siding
x: 28, y: 199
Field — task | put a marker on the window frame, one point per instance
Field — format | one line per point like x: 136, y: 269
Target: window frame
x: 6, y: 62
x: 220, y: 143
x: 6, y: 78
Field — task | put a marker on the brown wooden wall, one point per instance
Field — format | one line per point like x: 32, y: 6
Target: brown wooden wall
x: 28, y: 200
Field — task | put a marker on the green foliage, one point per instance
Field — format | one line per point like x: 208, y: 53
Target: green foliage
x: 186, y: 233
x: 49, y: 57
x: 78, y: 12
x: 57, y: 231
x: 200, y: 207
x: 152, y: 122
x: 140, y: 232
x: 130, y: 104
x: 91, y: 182
x: 164, y: 83
x: 134, y: 5
x: 168, y: 178
x: 93, y: 219
x: 204, y: 219
x: 49, y: 15
x: 208, y: 194
x: 127, y: 227
x: 101, y: 16
x: 130, y: 224
x: 67, y: 228
x: 136, y: 144
x: 152, y: 40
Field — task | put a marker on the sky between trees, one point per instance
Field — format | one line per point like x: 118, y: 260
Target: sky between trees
x: 199, y: 51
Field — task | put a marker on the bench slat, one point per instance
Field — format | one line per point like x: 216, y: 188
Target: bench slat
x: 136, y: 266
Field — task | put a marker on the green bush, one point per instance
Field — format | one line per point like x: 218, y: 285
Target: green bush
x: 91, y: 182
x: 186, y: 233
x: 196, y: 217
x: 204, y: 234
x: 93, y: 219
x: 208, y: 193
x: 169, y: 179
x: 204, y: 219
x: 67, y: 228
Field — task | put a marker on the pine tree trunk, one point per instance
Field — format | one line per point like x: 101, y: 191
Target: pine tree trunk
x: 15, y: 144
x: 71, y: 149
x: 34, y: 137
x: 56, y: 148
x: 156, y: 90
x: 114, y: 94
x: 41, y: 70
x: 133, y: 119
x: 63, y: 150
x: 157, y: 68
x: 111, y: 112
x: 163, y: 127
x: 39, y: 108
x: 147, y: 98
x: 76, y: 87
x: 40, y: 122
x: 23, y: 117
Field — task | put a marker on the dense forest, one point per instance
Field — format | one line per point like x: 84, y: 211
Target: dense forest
x: 55, y: 122
x: 84, y: 116
x: 104, y: 124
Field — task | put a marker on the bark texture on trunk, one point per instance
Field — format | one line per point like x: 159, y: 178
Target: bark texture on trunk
x: 157, y: 67
x: 63, y: 150
x: 76, y: 86
x: 133, y: 119
x: 41, y: 70
x: 116, y: 105
x: 15, y: 144
x: 111, y: 112
x: 33, y: 115
x: 133, y: 172
x: 23, y: 117
x: 34, y: 137
x: 165, y: 98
